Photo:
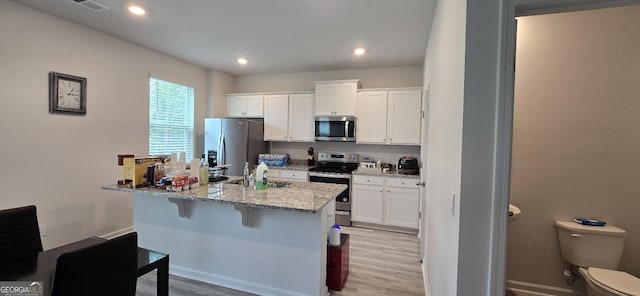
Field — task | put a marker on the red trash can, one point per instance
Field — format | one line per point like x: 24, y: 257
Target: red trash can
x: 338, y: 264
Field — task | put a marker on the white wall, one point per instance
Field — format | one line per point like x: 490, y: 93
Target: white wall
x: 218, y: 84
x: 444, y: 69
x: 58, y: 162
x: 369, y: 78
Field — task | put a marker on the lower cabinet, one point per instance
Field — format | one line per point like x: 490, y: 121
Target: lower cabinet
x: 385, y: 201
x: 367, y: 203
x: 289, y: 175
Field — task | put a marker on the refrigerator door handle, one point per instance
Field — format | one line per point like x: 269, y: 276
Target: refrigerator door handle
x: 223, y: 149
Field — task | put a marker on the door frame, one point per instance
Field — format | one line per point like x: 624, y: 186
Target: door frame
x: 511, y: 9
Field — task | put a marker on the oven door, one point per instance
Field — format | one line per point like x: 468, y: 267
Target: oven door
x: 335, y: 129
x: 343, y: 201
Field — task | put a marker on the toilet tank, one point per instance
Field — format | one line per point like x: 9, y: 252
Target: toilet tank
x: 591, y: 246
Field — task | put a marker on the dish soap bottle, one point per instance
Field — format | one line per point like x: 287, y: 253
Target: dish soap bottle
x: 261, y: 176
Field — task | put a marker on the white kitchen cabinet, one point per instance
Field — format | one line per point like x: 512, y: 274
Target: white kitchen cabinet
x: 301, y: 121
x: 336, y: 98
x: 389, y: 117
x: 289, y: 117
x: 371, y: 114
x: 276, y: 117
x: 245, y: 106
x: 401, y: 206
x: 404, y: 116
x: 367, y: 203
x: 395, y: 204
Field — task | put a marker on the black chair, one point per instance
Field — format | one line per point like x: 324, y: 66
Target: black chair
x: 106, y: 269
x: 19, y: 233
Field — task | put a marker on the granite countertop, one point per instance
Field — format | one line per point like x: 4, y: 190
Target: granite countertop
x: 387, y: 174
x: 299, y: 196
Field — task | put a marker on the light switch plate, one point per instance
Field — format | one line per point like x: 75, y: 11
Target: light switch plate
x: 43, y: 229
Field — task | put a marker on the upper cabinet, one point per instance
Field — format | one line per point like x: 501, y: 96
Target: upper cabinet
x: 336, y: 98
x: 243, y: 105
x: 288, y: 117
x: 389, y: 116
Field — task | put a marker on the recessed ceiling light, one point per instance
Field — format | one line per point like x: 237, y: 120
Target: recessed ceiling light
x: 137, y: 10
x: 242, y: 61
x: 359, y: 51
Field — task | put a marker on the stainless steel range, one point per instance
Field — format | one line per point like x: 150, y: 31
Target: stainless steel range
x: 336, y: 168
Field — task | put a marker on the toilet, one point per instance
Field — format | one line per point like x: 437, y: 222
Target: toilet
x: 596, y: 252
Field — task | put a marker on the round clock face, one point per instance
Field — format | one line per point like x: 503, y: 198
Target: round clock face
x: 68, y: 94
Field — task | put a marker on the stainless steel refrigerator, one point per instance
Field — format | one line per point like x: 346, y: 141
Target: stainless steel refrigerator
x: 235, y: 141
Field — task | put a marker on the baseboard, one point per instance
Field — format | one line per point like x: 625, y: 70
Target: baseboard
x: 530, y: 289
x: 229, y: 282
x: 117, y: 233
x: 425, y: 278
x: 384, y: 227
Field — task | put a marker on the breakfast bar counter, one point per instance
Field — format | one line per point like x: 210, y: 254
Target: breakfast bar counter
x: 293, y: 196
x: 269, y: 242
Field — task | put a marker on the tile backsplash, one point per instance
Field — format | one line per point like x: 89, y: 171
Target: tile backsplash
x: 384, y: 153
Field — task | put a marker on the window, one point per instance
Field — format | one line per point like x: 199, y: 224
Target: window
x: 170, y: 118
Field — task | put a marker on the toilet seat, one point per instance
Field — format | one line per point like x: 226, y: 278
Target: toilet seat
x: 618, y: 282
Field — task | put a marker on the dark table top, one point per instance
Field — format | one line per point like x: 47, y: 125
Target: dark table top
x: 40, y: 267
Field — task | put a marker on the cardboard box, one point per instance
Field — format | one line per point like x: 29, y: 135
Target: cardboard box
x: 134, y: 170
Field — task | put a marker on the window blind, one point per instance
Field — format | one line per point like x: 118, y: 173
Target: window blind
x: 170, y: 118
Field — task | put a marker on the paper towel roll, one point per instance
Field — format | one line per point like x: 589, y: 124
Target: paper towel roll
x: 334, y: 235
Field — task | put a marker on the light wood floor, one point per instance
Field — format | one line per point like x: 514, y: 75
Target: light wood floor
x: 380, y: 263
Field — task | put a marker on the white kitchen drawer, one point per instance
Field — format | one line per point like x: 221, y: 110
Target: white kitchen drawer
x: 293, y: 174
x: 274, y: 173
x: 402, y: 183
x: 368, y: 180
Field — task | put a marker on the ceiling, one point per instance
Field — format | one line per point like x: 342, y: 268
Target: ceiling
x: 275, y: 36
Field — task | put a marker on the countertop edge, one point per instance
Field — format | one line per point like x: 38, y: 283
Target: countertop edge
x: 181, y: 195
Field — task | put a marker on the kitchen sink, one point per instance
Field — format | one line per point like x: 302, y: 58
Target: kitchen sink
x: 272, y: 184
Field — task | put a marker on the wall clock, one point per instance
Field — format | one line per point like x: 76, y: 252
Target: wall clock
x: 67, y: 94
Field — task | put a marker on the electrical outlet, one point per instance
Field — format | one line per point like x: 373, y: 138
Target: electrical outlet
x: 43, y: 229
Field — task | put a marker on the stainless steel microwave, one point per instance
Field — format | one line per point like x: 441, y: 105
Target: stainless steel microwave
x: 336, y: 128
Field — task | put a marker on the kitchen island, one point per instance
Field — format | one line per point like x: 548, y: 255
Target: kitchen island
x: 270, y: 242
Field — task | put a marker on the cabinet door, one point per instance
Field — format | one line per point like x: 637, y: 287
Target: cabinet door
x: 236, y: 106
x: 371, y: 115
x: 401, y: 206
x: 324, y: 100
x: 254, y: 106
x: 367, y: 204
x: 404, y: 117
x: 276, y: 109
x: 345, y: 98
x: 301, y: 121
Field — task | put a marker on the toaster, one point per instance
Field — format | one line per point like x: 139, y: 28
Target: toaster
x: 408, y: 165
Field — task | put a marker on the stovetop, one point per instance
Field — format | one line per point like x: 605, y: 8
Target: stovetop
x: 336, y: 162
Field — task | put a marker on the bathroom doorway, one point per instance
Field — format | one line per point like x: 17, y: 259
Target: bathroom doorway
x: 573, y: 111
